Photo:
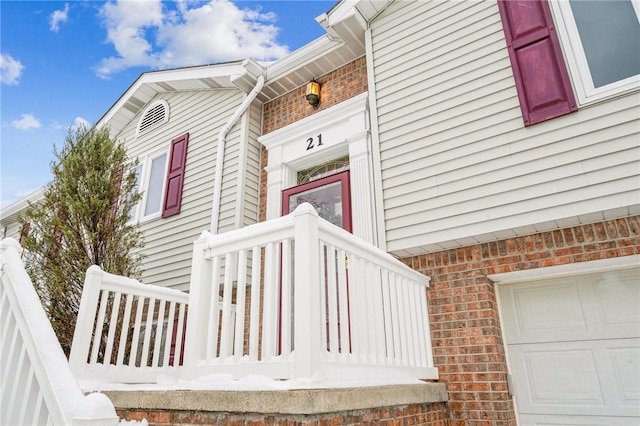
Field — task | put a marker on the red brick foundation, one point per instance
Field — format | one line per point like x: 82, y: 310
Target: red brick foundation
x: 465, y: 326
x: 416, y: 414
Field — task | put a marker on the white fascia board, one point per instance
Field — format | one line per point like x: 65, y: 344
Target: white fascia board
x: 367, y: 10
x: 192, y: 73
x: 10, y: 213
x: 252, y: 68
x: 340, y: 11
x: 231, y: 70
x: 305, y: 55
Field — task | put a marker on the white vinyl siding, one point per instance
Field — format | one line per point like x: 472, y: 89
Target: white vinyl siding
x: 169, y: 242
x: 228, y: 191
x: 13, y: 230
x: 252, y: 156
x: 240, y: 184
x: 456, y: 159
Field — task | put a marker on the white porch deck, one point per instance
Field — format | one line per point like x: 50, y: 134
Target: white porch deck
x: 292, y: 298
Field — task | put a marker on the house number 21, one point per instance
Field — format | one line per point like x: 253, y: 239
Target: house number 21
x: 311, y: 142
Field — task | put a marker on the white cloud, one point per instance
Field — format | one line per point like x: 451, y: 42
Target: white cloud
x: 78, y: 122
x: 56, y: 125
x: 26, y: 122
x: 144, y: 34
x: 57, y: 17
x: 10, y: 69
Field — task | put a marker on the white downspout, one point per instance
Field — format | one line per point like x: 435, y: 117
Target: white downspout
x: 217, y: 183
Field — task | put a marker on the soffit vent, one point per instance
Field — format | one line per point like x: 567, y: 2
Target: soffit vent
x: 156, y: 115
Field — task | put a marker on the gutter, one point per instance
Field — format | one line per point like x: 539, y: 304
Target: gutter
x: 222, y: 141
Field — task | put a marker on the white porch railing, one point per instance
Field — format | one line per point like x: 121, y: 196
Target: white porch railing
x: 291, y: 298
x: 36, y: 384
x: 126, y: 331
x: 311, y: 300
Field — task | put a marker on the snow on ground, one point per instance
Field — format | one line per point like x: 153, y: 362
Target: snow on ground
x: 143, y: 422
x: 252, y: 383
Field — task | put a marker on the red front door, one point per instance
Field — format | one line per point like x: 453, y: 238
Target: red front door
x: 331, y: 198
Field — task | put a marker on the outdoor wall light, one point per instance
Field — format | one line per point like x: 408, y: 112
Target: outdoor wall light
x: 313, y: 93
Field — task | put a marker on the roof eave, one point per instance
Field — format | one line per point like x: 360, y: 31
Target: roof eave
x: 233, y: 75
x: 10, y: 213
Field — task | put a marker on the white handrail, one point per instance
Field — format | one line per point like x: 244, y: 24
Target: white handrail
x: 37, y: 385
x: 291, y: 298
x: 127, y: 331
x: 318, y: 299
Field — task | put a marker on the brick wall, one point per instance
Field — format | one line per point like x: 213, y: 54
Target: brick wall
x: 414, y: 414
x: 335, y: 87
x: 465, y: 327
x: 338, y: 85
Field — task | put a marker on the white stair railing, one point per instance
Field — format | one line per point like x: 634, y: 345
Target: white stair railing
x: 291, y: 298
x: 126, y: 331
x: 311, y: 299
x: 36, y: 383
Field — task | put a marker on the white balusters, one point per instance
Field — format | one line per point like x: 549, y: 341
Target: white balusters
x: 113, y: 342
x: 294, y: 297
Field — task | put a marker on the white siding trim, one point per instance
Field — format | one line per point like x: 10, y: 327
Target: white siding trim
x: 378, y: 212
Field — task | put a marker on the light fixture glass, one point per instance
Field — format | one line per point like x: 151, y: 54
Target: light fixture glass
x: 313, y: 93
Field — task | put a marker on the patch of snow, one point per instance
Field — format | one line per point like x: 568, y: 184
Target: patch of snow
x: 226, y: 382
x: 142, y: 422
x: 94, y: 406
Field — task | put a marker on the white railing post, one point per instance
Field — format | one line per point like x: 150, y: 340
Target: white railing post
x: 197, y: 317
x: 310, y: 351
x: 85, y: 321
x: 52, y: 393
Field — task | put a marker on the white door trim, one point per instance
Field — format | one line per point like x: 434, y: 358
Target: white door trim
x: 345, y: 131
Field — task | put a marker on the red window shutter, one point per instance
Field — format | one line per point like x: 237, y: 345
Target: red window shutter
x: 24, y: 232
x: 175, y: 176
x: 542, y: 81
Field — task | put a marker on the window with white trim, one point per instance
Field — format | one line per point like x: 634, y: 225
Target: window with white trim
x: 151, y: 175
x: 160, y: 178
x: 601, y: 40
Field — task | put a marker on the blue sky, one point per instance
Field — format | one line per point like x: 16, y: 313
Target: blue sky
x: 65, y: 63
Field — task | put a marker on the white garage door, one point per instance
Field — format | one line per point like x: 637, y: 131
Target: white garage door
x: 574, y: 348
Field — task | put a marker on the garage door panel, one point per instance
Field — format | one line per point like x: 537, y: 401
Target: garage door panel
x: 618, y: 299
x: 597, y: 306
x: 625, y: 363
x: 590, y: 378
x: 551, y: 377
x: 552, y: 310
x: 537, y: 420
